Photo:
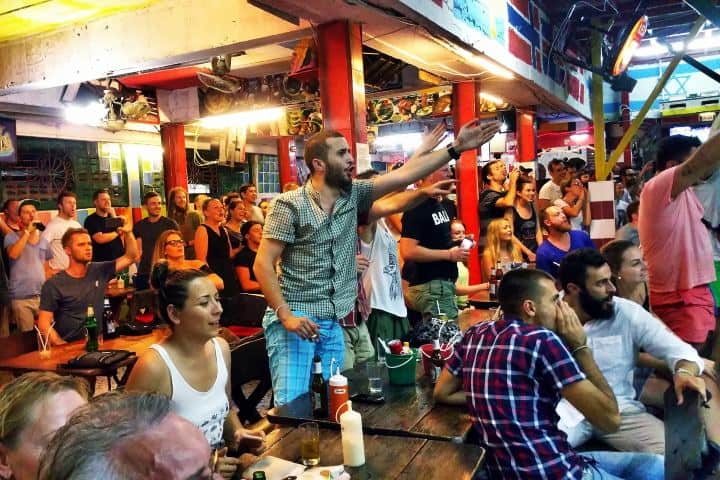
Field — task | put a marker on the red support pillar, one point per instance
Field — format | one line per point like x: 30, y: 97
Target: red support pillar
x: 286, y: 159
x: 172, y: 136
x: 342, y: 80
x: 526, y: 136
x: 465, y: 109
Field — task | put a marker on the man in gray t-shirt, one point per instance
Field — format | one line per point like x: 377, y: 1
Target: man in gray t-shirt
x: 66, y: 296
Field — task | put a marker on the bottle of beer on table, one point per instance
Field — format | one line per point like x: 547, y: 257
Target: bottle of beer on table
x: 259, y: 476
x: 318, y: 390
x: 91, y: 326
x: 109, y: 327
x: 499, y: 272
x: 493, y: 285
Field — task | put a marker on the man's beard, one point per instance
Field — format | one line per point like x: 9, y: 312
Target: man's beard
x: 336, y: 178
x: 597, y: 309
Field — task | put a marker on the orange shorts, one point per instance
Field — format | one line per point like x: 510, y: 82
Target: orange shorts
x: 692, y: 317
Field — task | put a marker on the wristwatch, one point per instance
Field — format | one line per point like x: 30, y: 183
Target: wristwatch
x: 454, y: 154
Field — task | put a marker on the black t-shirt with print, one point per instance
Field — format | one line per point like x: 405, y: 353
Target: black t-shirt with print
x: 429, y: 224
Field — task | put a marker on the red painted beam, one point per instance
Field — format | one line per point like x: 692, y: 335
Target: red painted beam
x: 286, y: 159
x: 465, y: 109
x: 172, y: 136
x: 342, y: 81
x: 526, y: 136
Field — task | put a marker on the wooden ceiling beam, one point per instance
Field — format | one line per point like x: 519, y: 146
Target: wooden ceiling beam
x: 169, y: 32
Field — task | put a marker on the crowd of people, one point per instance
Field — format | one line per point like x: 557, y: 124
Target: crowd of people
x: 588, y: 339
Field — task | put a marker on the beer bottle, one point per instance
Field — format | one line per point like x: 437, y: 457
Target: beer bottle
x: 91, y: 326
x: 499, y: 272
x: 318, y: 390
x: 259, y: 476
x: 109, y: 327
x: 493, y: 285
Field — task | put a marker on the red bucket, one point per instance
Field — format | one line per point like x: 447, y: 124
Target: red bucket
x: 426, y: 351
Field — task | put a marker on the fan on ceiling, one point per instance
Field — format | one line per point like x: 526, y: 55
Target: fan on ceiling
x: 220, y: 78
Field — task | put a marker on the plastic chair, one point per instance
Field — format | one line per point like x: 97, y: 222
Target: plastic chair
x: 250, y: 363
x: 244, y: 309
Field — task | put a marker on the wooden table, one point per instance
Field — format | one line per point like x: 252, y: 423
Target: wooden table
x: 408, y: 411
x: 387, y: 457
x: 112, y: 291
x: 61, y: 354
x: 482, y: 300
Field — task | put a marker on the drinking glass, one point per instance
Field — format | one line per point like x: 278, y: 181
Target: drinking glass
x: 44, y: 347
x: 310, y: 443
x: 375, y: 381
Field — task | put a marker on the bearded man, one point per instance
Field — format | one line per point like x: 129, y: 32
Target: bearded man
x: 617, y: 329
x: 311, y: 233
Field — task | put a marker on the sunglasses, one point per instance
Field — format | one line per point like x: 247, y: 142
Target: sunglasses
x: 175, y: 243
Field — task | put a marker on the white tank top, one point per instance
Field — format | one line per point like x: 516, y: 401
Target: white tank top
x: 382, y: 278
x: 207, y: 410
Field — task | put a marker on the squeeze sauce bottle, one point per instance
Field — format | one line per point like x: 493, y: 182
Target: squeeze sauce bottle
x: 339, y: 395
x: 352, y: 437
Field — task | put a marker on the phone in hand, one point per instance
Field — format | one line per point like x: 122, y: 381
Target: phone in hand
x: 467, y: 243
x: 367, y: 398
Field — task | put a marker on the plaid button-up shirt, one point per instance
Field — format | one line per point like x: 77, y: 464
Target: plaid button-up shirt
x: 318, y: 274
x: 512, y: 374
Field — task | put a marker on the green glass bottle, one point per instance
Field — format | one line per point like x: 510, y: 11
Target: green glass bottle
x: 91, y: 326
x: 259, y: 476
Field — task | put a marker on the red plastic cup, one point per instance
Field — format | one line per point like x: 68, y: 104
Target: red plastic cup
x: 396, y: 347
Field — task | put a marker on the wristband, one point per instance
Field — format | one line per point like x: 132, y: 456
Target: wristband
x: 454, y: 154
x: 280, y: 306
x: 684, y: 371
x: 581, y: 347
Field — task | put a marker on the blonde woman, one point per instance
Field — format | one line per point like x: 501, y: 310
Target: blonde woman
x: 170, y: 248
x: 499, y: 246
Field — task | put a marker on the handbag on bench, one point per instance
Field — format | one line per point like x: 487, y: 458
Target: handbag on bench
x: 99, y: 359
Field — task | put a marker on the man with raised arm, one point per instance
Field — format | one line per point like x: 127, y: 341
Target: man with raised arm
x: 311, y: 232
x: 675, y: 243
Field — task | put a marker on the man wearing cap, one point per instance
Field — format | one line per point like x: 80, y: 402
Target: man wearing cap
x: 29, y: 255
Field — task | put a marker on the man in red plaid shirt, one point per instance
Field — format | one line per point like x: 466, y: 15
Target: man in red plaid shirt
x: 511, y: 373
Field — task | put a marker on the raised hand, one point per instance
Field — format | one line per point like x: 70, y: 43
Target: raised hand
x: 443, y: 187
x: 473, y: 134
x: 431, y: 139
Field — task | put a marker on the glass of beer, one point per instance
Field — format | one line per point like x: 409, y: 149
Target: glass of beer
x: 310, y: 443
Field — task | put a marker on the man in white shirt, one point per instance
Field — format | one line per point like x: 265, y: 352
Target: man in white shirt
x: 54, y: 231
x: 551, y: 191
x: 617, y: 329
x: 248, y: 193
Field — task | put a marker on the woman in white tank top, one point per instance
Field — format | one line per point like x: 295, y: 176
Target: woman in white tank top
x: 191, y: 366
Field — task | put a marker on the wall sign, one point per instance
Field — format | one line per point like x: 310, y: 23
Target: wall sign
x: 8, y: 141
